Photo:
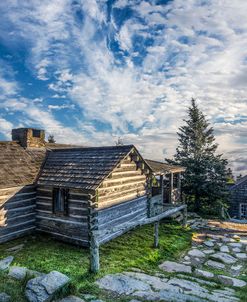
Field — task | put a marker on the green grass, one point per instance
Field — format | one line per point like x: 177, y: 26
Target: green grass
x: 132, y: 250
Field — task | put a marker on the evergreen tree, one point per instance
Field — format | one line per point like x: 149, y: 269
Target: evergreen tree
x: 204, y: 181
x: 51, y: 139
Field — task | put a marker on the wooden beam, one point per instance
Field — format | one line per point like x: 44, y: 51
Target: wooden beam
x: 171, y: 187
x: 156, y: 234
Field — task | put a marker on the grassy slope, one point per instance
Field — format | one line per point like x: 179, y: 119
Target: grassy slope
x: 133, y: 249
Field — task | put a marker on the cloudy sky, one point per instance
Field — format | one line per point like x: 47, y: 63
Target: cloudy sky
x: 92, y: 71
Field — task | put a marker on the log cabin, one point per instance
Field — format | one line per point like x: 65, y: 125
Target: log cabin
x: 69, y: 192
x: 238, y: 199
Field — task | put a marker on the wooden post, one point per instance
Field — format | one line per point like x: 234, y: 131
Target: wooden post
x: 185, y: 217
x: 156, y: 234
x: 94, y: 255
x: 171, y: 187
x: 162, y: 187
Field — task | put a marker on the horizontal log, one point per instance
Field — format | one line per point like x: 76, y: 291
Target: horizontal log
x: 81, y: 221
x: 121, y: 199
x: 18, y: 204
x: 17, y: 234
x: 15, y: 212
x: 125, y: 180
x: 74, y: 229
x: 119, y: 194
x: 120, y: 188
x: 123, y: 206
x: 69, y: 239
x: 131, y: 216
x: 10, y: 228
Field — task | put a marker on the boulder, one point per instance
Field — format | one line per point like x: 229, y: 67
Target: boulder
x: 224, y: 257
x: 202, y: 273
x: 241, y: 256
x: 208, y: 251
x: 224, y: 249
x: 122, y: 284
x: 215, y: 264
x: 236, y: 250
x: 71, y: 299
x: 231, y: 281
x: 170, y: 266
x: 235, y: 244
x: 196, y: 253
x: 209, y: 243
x: 236, y: 269
x: 17, y: 272
x: 5, y: 263
x: 4, y: 297
x: 42, y: 289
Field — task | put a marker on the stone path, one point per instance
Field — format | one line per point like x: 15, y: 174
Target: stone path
x: 210, y: 271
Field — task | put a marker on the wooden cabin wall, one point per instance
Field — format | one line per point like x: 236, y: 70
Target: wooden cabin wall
x: 126, y: 182
x: 17, y: 212
x: 238, y: 195
x: 73, y: 227
x: 120, y: 214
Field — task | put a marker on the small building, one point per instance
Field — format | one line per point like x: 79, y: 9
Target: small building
x: 69, y: 191
x: 238, y: 199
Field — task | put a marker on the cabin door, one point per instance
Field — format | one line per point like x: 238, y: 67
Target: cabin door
x: 243, y: 211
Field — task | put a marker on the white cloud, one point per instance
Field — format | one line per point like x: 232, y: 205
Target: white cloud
x: 186, y: 49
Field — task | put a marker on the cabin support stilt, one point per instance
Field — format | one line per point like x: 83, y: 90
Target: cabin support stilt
x: 94, y: 255
x: 185, y: 214
x: 156, y: 234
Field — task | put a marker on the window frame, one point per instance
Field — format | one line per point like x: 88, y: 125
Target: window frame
x: 60, y: 200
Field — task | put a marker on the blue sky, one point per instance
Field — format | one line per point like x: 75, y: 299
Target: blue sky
x: 91, y: 71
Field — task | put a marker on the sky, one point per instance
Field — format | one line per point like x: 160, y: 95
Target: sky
x: 91, y: 71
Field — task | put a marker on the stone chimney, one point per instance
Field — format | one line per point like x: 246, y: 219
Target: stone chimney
x: 29, y: 137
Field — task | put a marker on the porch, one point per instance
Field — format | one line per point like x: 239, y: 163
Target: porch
x: 165, y: 187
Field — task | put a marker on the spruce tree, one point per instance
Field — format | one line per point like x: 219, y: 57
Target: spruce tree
x: 204, y: 181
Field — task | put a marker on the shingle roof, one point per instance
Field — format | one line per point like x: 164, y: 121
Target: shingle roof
x: 83, y: 168
x: 239, y: 182
x: 19, y: 166
x: 158, y: 167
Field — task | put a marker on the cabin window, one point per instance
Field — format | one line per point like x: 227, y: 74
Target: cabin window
x: 36, y: 133
x: 60, y: 201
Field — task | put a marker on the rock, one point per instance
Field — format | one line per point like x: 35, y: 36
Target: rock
x: 224, y: 249
x: 4, y: 297
x: 224, y: 257
x: 236, y: 244
x: 42, y: 289
x: 5, y: 263
x: 186, y: 258
x: 236, y: 269
x: 198, y: 280
x: 89, y: 297
x: 15, y: 248
x: 155, y: 282
x: 122, y: 284
x: 17, y: 272
x: 71, y: 299
x: 241, y: 256
x: 225, y: 240
x: 209, y: 243
x: 34, y: 274
x: 97, y: 300
x: 215, y: 264
x: 197, y: 261
x: 202, y: 273
x: 236, y: 250
x: 208, y: 252
x: 196, y: 253
x: 170, y: 266
x: 231, y: 281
